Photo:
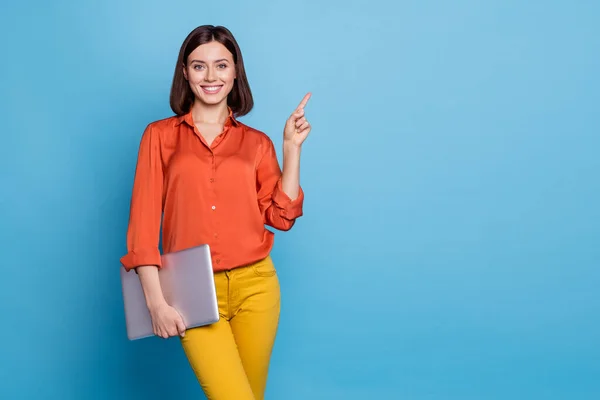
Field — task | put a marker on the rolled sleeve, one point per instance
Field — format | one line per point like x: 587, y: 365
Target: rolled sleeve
x: 290, y: 209
x: 136, y: 258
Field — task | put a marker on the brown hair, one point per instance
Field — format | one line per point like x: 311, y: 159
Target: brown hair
x: 239, y: 99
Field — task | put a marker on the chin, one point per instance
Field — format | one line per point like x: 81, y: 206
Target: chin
x: 212, y: 102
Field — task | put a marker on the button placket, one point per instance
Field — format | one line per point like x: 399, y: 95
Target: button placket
x: 213, y: 206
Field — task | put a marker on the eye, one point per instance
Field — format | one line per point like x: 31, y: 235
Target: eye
x: 198, y: 67
x: 222, y: 66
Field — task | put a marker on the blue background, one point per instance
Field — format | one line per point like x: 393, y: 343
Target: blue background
x: 451, y: 239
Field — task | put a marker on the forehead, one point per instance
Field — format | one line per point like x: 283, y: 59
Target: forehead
x: 210, y: 51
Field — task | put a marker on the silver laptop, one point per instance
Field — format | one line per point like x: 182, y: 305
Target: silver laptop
x: 188, y: 284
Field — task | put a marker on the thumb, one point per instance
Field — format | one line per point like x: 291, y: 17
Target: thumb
x: 180, y: 326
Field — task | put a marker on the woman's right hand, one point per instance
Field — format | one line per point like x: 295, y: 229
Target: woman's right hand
x: 166, y: 321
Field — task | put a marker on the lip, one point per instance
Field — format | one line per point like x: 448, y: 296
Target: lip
x: 217, y: 87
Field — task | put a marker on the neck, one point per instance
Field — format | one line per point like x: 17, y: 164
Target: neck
x: 210, y: 114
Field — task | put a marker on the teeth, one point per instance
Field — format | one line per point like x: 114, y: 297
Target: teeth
x: 211, y: 88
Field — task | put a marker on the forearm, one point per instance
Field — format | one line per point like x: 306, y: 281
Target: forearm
x: 151, y: 285
x: 290, y: 180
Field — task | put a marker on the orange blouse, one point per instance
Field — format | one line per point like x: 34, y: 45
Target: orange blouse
x: 222, y: 194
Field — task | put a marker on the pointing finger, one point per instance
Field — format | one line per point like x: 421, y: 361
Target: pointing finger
x: 304, y: 101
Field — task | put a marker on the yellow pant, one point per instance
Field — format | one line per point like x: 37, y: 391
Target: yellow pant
x: 231, y: 357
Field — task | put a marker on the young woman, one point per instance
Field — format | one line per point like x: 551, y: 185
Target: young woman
x: 208, y: 178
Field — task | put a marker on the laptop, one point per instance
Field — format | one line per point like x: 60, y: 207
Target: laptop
x: 188, y: 284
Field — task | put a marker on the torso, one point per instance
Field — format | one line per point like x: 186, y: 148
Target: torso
x: 217, y: 188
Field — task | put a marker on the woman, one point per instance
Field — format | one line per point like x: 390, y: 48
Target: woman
x: 215, y: 180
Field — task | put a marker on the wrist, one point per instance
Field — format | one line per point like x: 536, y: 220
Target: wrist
x: 155, y: 303
x: 290, y: 147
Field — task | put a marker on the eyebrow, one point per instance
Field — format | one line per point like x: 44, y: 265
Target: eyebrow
x: 217, y: 61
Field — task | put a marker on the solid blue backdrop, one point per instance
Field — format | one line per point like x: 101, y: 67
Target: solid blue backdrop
x: 450, y: 243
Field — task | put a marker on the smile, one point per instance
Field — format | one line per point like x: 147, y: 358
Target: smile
x: 211, y: 89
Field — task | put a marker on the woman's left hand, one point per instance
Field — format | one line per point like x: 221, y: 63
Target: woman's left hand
x: 297, y: 127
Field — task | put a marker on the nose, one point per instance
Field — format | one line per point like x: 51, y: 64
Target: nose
x: 210, y: 74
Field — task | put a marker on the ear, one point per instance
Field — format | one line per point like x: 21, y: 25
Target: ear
x: 184, y: 72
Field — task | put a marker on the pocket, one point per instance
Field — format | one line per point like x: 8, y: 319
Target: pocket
x: 264, y: 267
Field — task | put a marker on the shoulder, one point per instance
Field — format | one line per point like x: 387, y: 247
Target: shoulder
x: 164, y: 125
x: 162, y: 128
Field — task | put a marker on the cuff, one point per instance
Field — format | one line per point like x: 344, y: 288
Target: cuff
x: 136, y: 258
x: 291, y: 209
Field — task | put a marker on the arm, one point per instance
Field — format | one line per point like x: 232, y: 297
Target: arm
x: 290, y: 179
x: 143, y: 234
x: 145, y: 216
x: 151, y: 286
x: 280, y: 196
x: 295, y: 133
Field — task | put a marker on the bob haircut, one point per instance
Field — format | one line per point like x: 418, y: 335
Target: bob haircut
x: 239, y: 99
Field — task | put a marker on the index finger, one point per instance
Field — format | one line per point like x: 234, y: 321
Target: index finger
x: 304, y: 100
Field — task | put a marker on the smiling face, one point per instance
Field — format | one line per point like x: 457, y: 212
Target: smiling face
x: 210, y: 72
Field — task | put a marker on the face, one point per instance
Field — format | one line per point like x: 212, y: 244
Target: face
x: 210, y: 72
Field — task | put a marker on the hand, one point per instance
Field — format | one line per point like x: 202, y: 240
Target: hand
x: 166, y: 321
x: 297, y: 127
